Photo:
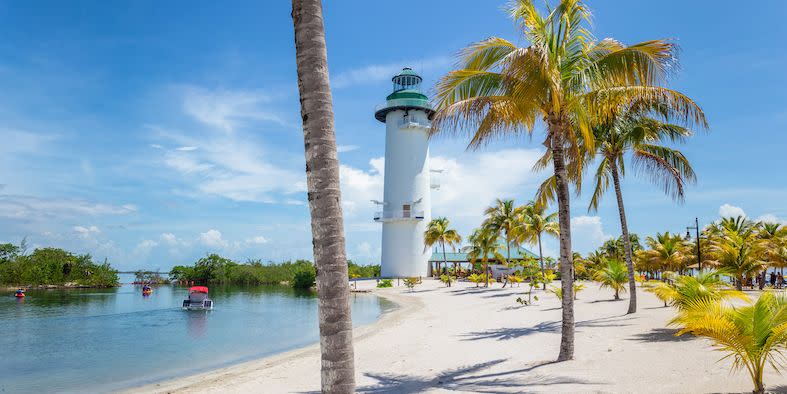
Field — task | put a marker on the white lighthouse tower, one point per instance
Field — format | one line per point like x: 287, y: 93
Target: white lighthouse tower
x: 406, y: 205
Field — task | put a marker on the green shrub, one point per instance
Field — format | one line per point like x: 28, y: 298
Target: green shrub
x: 412, y: 282
x: 304, y: 279
x: 383, y: 283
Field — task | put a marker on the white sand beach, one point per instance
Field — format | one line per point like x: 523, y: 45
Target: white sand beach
x: 467, y: 339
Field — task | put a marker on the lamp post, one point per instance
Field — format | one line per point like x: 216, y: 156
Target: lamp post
x: 696, y: 227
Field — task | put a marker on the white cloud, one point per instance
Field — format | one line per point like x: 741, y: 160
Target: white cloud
x: 144, y: 247
x: 212, y: 238
x: 346, y: 148
x: 771, y: 218
x: 728, y: 210
x: 587, y: 233
x: 170, y: 239
x: 86, y: 232
x: 37, y: 208
x: 186, y: 148
x: 374, y: 73
x: 258, y: 240
x: 227, y: 109
x: 156, y: 146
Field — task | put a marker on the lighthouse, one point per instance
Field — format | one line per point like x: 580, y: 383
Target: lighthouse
x: 406, y: 205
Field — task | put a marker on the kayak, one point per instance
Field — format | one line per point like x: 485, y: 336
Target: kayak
x: 19, y: 295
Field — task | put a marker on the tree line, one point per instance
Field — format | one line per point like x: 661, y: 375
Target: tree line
x: 52, y: 266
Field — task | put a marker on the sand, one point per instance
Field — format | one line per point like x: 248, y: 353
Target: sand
x: 467, y: 339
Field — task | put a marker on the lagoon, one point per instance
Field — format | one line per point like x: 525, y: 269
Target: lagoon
x: 111, y: 339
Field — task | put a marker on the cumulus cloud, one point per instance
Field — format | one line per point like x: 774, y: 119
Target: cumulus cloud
x: 587, y: 233
x: 186, y: 148
x: 258, y: 240
x: 212, y: 238
x: 86, y: 232
x: 728, y: 210
x: 771, y: 218
x: 144, y: 247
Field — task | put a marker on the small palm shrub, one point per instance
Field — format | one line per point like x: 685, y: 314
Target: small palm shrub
x: 614, y: 276
x: 754, y: 335
x: 447, y: 279
x: 383, y: 283
x: 515, y: 279
x: 410, y: 283
x: 558, y: 291
x: 479, y: 279
x: 680, y: 291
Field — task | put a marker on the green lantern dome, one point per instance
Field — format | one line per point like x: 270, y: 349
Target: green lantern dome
x: 406, y: 95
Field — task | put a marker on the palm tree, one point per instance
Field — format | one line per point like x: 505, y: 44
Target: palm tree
x: 566, y: 79
x: 684, y: 290
x: 753, y: 335
x: 483, y: 243
x: 533, y: 224
x: 772, y: 245
x: 612, y: 276
x: 437, y: 231
x: 642, y: 137
x: 666, y: 252
x: 503, y: 218
x: 733, y: 247
x: 322, y: 177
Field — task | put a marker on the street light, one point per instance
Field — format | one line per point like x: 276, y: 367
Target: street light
x: 696, y: 227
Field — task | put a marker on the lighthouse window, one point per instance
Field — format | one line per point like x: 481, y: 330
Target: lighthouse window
x: 406, y: 210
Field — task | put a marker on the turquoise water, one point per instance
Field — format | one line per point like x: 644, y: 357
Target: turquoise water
x: 110, y: 339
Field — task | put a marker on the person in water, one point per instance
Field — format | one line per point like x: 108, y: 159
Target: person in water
x: 20, y: 291
x: 145, y: 288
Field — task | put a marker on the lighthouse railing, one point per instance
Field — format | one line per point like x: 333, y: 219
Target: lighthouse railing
x: 404, y: 102
x: 393, y: 215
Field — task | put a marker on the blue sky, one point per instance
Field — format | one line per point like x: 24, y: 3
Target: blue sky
x: 151, y: 133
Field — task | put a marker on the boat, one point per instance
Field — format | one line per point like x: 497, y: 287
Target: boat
x: 19, y: 294
x: 198, y: 299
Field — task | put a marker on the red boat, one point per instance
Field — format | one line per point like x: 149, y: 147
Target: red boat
x: 19, y: 293
x: 198, y: 299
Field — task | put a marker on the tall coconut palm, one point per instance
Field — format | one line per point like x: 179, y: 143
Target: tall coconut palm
x: 733, y: 247
x: 564, y: 78
x: 503, y: 218
x: 642, y: 138
x: 666, y: 252
x: 484, y: 243
x: 322, y: 178
x: 754, y: 335
x: 437, y: 231
x: 534, y: 224
x: 772, y: 244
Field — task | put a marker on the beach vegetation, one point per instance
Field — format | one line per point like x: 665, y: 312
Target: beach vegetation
x: 535, y: 224
x: 753, y: 336
x: 54, y: 267
x: 613, y: 276
x: 304, y: 279
x: 483, y: 243
x: 438, y: 232
x: 411, y: 282
x: 447, y: 279
x: 385, y: 283
x: 566, y: 80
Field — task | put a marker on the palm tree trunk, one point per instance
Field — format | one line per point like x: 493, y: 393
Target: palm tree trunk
x: 541, y: 257
x: 626, y: 241
x: 322, y: 177
x: 566, y: 264
x: 486, y: 273
x: 445, y: 261
x: 739, y: 282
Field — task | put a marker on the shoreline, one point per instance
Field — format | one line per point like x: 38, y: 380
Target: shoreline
x: 193, y: 382
x: 473, y: 339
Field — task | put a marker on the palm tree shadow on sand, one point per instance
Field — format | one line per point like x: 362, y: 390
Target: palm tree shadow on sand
x: 661, y: 335
x: 506, y: 333
x: 467, y: 379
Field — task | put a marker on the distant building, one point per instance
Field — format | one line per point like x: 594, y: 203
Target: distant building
x: 460, y: 259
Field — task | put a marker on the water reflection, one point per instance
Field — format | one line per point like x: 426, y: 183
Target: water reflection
x: 93, y: 339
x: 197, y: 323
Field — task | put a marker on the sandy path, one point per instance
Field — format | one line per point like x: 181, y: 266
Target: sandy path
x: 463, y: 339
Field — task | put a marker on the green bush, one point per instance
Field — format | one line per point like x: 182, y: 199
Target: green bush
x: 304, y: 279
x: 385, y: 283
x: 53, y: 266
